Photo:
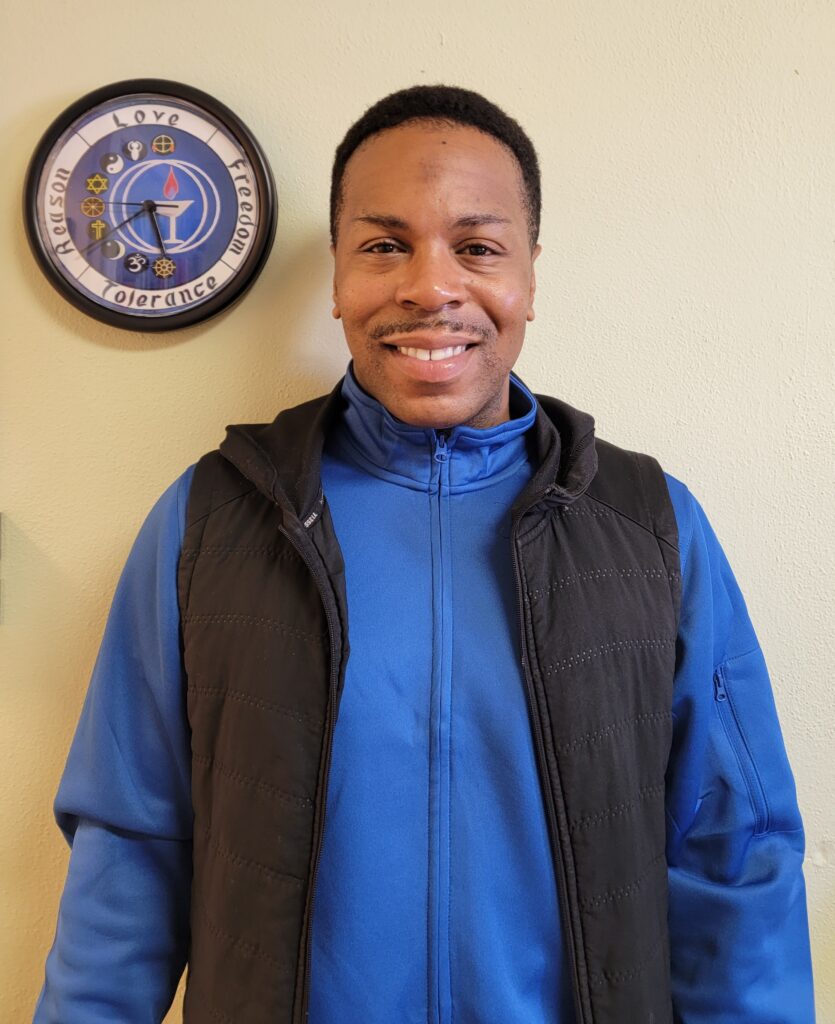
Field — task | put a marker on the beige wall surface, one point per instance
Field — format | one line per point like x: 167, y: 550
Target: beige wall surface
x: 686, y: 298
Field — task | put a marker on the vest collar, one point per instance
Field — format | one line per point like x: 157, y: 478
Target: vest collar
x: 283, y: 458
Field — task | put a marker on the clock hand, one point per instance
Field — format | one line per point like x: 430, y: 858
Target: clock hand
x: 157, y: 231
x: 104, y: 238
x: 157, y: 206
x: 147, y: 205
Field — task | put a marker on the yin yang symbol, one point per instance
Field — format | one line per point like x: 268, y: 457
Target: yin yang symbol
x: 111, y: 163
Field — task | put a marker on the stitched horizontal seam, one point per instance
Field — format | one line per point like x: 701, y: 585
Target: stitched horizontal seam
x: 612, y: 895
x: 248, y: 948
x: 571, y: 510
x: 615, y: 727
x: 256, y: 620
x: 248, y: 780
x: 613, y: 977
x: 642, y: 643
x: 255, y: 702
x: 599, y: 574
x: 233, y: 858
x: 616, y: 811
x: 220, y: 549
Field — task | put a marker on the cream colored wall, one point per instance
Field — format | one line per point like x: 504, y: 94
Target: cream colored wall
x: 685, y: 297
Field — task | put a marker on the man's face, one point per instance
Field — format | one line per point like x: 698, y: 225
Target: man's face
x: 433, y: 257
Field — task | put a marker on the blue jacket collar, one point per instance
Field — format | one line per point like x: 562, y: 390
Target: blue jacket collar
x: 370, y: 436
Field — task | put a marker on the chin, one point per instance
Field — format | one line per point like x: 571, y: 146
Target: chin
x: 428, y: 412
x: 437, y: 414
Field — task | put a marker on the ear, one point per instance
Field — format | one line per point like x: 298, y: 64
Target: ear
x: 537, y: 249
x: 335, y: 312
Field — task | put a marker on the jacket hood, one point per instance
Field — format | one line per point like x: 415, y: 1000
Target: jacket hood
x: 283, y: 458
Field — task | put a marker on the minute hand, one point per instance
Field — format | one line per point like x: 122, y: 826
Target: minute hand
x: 104, y: 238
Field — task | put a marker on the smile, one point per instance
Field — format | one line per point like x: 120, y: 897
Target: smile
x: 433, y: 354
x: 430, y: 363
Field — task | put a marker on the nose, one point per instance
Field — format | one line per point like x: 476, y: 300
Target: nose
x: 431, y: 279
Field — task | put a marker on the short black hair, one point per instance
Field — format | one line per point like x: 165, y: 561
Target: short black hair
x: 444, y: 104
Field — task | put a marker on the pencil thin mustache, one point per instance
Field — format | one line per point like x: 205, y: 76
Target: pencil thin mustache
x: 450, y: 326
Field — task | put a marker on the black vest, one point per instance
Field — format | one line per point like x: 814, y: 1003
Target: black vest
x: 265, y: 643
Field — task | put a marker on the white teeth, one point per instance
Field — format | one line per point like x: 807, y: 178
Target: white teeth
x: 435, y: 354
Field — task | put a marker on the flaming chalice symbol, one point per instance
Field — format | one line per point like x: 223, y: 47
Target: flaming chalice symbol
x: 172, y: 208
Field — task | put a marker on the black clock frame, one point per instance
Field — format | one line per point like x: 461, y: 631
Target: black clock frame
x: 264, y: 233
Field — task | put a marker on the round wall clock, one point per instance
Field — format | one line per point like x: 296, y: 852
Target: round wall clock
x: 149, y: 205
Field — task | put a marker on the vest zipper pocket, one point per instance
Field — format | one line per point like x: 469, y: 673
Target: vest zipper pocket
x: 736, y: 738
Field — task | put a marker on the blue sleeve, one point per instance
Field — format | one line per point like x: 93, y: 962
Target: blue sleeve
x: 124, y: 803
x: 738, y: 925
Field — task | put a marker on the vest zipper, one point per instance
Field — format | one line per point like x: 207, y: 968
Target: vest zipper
x: 536, y: 724
x: 319, y: 580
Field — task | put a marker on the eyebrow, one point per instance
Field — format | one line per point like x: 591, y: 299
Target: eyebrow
x: 470, y: 220
x: 476, y: 220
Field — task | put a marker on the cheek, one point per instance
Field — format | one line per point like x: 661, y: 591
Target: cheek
x: 509, y: 302
x: 359, y: 300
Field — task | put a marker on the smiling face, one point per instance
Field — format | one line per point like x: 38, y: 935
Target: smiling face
x: 433, y: 276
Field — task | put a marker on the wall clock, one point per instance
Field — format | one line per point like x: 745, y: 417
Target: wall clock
x: 149, y: 205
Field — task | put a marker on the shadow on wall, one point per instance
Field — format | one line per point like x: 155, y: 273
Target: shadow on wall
x: 289, y: 287
x: 817, y: 868
x: 308, y: 351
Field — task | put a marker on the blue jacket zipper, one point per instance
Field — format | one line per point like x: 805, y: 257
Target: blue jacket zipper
x: 440, y: 995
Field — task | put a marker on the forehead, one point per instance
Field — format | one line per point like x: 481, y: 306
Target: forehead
x: 422, y: 164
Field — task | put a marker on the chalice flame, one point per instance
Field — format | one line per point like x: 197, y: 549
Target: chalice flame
x: 173, y: 207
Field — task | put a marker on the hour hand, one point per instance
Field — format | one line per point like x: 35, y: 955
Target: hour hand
x: 157, y: 231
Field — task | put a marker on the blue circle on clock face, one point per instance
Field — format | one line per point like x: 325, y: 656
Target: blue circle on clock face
x: 195, y: 206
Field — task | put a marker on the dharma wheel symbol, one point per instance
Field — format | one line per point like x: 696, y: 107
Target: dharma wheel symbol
x: 92, y: 206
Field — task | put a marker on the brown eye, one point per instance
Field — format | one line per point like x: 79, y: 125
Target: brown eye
x: 384, y: 248
x: 476, y: 249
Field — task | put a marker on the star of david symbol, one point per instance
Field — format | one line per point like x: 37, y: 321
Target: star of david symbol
x: 92, y: 207
x: 97, y: 183
x: 163, y: 267
x: 163, y: 144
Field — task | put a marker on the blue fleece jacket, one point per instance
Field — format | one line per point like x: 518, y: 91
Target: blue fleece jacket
x: 435, y: 899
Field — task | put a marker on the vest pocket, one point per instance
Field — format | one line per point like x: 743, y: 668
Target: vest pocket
x: 723, y: 683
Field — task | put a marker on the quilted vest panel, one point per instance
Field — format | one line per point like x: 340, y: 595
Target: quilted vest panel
x: 256, y: 654
x: 265, y: 643
x: 601, y: 592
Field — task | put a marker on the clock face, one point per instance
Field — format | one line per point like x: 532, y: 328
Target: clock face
x: 150, y: 206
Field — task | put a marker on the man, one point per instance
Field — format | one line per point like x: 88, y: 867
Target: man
x: 548, y: 783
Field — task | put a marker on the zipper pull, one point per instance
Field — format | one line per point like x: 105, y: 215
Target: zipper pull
x: 719, y: 690
x: 441, y: 449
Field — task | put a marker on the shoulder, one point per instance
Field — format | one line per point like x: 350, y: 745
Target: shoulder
x: 634, y: 485
x: 684, y: 505
x: 215, y: 482
x: 164, y: 525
